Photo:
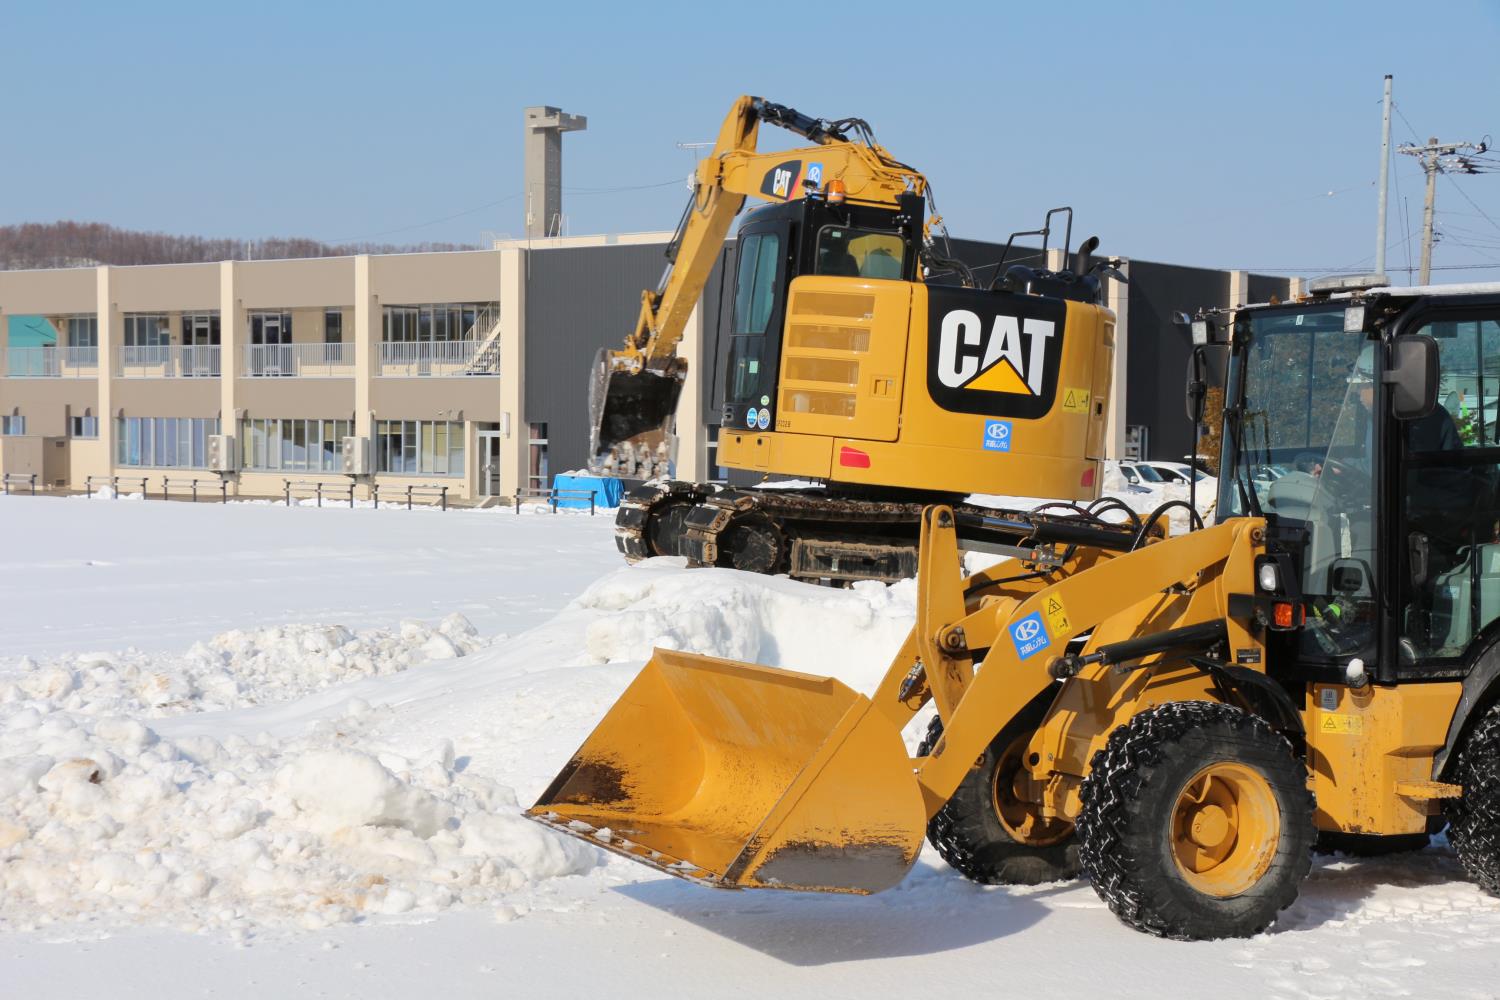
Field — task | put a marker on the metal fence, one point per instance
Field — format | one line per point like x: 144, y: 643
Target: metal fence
x: 168, y: 361
x: 50, y: 361
x: 299, y: 361
x: 440, y: 357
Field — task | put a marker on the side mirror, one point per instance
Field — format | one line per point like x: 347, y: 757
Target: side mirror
x: 1413, y: 376
x: 1206, y: 369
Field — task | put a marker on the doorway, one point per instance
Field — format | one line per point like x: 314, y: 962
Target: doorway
x: 489, y: 463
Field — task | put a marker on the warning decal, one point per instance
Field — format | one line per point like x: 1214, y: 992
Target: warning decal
x: 1057, y: 616
x: 1075, y: 400
x: 1342, y: 725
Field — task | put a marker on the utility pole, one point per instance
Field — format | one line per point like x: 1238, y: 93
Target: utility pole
x: 1385, y: 176
x: 1437, y: 157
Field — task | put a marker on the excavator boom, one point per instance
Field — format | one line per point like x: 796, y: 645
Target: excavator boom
x: 634, y: 390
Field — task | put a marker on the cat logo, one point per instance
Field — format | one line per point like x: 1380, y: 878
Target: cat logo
x: 991, y: 354
x: 783, y: 180
x: 1008, y: 363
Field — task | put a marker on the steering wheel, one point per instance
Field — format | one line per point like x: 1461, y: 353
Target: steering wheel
x: 1341, y: 480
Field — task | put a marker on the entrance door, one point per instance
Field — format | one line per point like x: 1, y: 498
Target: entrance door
x: 200, y: 340
x: 271, y: 338
x: 489, y: 463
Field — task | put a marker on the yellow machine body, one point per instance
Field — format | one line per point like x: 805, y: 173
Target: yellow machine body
x: 855, y: 401
x: 743, y: 776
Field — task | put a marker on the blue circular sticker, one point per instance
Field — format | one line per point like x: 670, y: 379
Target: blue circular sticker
x: 750, y: 417
x: 765, y: 418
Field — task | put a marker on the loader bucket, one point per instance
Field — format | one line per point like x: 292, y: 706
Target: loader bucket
x: 738, y: 776
x: 625, y: 404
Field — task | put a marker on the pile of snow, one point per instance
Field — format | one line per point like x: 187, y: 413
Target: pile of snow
x: 173, y: 789
x: 101, y: 818
x: 232, y: 670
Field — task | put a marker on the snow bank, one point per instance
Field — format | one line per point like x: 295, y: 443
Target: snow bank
x: 232, y: 670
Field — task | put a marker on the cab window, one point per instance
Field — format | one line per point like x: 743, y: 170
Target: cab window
x: 859, y: 253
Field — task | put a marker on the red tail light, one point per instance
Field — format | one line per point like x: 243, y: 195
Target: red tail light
x: 853, y: 458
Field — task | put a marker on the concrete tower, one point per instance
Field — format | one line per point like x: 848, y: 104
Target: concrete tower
x: 544, y: 128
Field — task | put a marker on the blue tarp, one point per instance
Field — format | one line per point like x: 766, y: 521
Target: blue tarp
x: 607, y: 491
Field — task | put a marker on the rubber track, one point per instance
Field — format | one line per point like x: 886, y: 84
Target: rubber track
x: 1474, y: 818
x: 1118, y: 775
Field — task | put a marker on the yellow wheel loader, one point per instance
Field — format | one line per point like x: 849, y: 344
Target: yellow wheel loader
x: 845, y: 365
x: 1179, y: 717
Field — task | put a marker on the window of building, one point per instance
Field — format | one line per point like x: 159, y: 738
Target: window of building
x: 164, y: 442
x: 12, y: 426
x: 293, y: 445
x: 85, y: 426
x: 270, y: 328
x: 419, y: 447
x: 428, y: 323
x: 83, y: 331
x: 538, y: 456
x: 200, y: 329
x: 333, y: 336
x: 148, y: 339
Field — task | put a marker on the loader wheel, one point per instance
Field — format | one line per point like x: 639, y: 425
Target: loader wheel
x: 1474, y: 817
x: 1196, y: 822
x: 986, y: 831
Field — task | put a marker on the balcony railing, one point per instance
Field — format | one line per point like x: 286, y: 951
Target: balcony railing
x: 50, y: 361
x: 168, y: 361
x: 441, y: 357
x: 299, y: 360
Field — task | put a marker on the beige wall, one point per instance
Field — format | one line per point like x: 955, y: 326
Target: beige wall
x: 165, y: 397
x: 46, y: 402
x: 293, y: 284
x: 165, y: 287
x: 471, y: 276
x: 268, y: 398
x: 69, y: 290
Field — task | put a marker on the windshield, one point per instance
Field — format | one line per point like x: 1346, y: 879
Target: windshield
x: 1301, y: 446
x: 1149, y: 474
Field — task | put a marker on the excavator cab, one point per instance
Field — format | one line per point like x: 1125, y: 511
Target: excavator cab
x: 776, y: 244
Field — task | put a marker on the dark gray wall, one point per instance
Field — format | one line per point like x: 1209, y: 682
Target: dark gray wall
x: 578, y: 299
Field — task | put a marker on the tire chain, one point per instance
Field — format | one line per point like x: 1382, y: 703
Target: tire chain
x: 1123, y: 766
x: 1474, y: 818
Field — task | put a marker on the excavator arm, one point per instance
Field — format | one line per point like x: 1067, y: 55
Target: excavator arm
x: 635, y: 389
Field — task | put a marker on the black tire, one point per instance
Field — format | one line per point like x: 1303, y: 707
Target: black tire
x: 1364, y: 845
x: 1135, y: 793
x: 1474, y: 817
x: 968, y: 831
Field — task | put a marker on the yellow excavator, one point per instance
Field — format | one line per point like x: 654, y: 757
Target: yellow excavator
x: 845, y: 366
x: 1177, y: 717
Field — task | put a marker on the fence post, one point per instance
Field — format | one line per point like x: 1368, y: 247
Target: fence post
x: 33, y: 484
x: 144, y: 494
x: 224, y: 490
x: 114, y: 486
x: 375, y: 489
x: 194, y: 481
x: 286, y: 488
x: 164, y: 482
x: 593, y: 494
x: 320, y: 494
x: 88, y: 487
x: 443, y: 499
x: 408, y: 496
x: 517, y: 501
x: 351, y: 496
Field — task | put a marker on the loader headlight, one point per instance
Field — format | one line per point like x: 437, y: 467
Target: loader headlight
x: 1267, y: 577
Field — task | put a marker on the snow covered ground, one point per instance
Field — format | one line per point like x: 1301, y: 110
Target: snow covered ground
x: 306, y: 777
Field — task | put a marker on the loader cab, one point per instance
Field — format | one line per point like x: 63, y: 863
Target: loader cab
x: 777, y: 243
x: 1383, y: 509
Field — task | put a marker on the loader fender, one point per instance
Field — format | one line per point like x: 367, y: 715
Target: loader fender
x: 1261, y: 695
x: 1481, y: 689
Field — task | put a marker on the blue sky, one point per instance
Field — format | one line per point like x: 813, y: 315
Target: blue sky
x: 1229, y: 135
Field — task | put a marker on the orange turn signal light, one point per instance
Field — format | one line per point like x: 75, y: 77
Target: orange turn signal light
x: 1282, y: 612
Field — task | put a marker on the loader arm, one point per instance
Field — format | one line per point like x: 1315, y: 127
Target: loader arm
x: 638, y: 385
x: 1026, y: 633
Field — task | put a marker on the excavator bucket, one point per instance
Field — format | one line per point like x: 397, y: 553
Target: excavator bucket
x: 738, y: 776
x: 624, y: 404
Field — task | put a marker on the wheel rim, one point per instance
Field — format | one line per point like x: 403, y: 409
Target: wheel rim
x: 1014, y: 796
x: 1226, y: 826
